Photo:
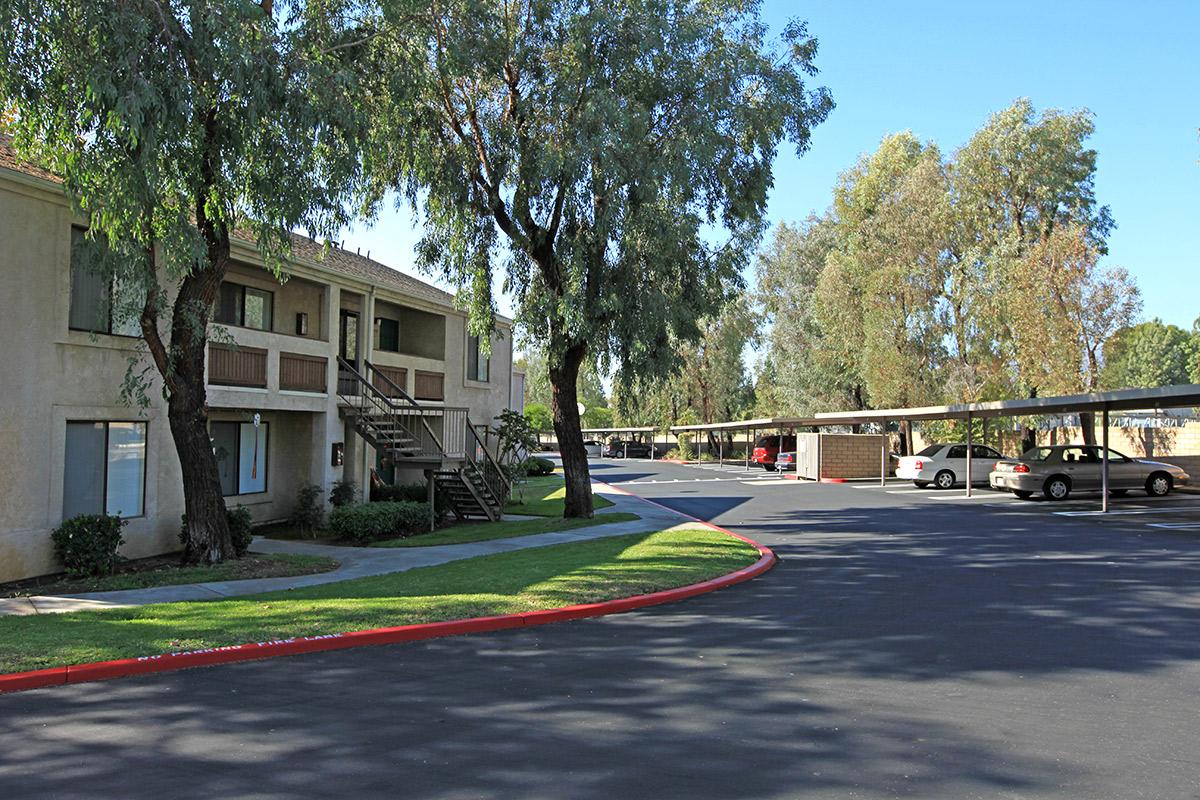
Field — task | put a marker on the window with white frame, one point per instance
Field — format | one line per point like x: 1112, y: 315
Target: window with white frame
x: 241, y: 450
x: 105, y: 469
x: 478, y: 363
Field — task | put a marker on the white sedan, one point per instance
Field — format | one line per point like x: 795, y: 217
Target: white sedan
x: 945, y: 465
x: 593, y: 448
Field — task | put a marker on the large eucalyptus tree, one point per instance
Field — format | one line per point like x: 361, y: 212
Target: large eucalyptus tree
x: 612, y: 160
x: 171, y: 123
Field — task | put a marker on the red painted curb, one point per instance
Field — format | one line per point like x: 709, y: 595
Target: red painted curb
x: 167, y: 662
x: 833, y: 480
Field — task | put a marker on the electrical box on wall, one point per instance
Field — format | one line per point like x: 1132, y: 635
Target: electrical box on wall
x: 339, y: 454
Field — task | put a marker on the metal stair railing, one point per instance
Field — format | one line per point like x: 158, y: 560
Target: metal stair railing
x: 386, y: 420
x: 484, y: 464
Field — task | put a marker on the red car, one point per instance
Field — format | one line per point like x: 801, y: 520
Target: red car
x: 767, y: 447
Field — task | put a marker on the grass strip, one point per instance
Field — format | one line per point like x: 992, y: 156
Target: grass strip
x: 545, y: 497
x: 505, y: 529
x: 166, y: 571
x: 507, y: 583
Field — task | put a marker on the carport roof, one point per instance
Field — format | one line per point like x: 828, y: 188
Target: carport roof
x: 619, y: 430
x: 1159, y: 397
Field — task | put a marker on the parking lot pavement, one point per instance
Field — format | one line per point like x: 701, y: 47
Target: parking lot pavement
x: 1132, y: 511
x: 904, y: 646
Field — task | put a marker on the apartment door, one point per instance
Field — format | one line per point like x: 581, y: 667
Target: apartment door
x: 348, y: 338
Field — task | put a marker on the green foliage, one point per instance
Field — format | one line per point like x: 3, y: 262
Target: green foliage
x: 936, y: 279
x: 241, y: 529
x: 592, y: 149
x: 342, y: 493
x: 539, y: 417
x: 1146, y: 355
x: 412, y: 492
x: 86, y: 545
x: 308, y: 516
x: 536, y: 466
x: 362, y: 523
x: 515, y: 437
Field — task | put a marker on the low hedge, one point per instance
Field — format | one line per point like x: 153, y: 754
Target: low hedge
x: 363, y: 523
x: 241, y: 529
x: 86, y: 545
x: 412, y: 492
x: 536, y: 466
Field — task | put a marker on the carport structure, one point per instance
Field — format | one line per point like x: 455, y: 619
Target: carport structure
x: 1152, y: 399
x: 751, y: 426
x: 602, y: 432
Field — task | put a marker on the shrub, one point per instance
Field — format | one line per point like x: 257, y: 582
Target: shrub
x: 241, y: 529
x: 86, y: 545
x: 536, y: 466
x: 412, y: 492
x: 308, y: 515
x: 342, y: 493
x: 362, y: 523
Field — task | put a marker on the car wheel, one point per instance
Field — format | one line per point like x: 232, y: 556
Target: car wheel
x: 1057, y: 488
x: 920, y: 484
x: 1023, y: 494
x: 944, y: 479
x: 1158, y: 485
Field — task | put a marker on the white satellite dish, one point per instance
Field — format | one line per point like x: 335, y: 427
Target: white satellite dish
x: 581, y: 408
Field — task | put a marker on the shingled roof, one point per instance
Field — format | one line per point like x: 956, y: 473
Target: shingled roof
x: 335, y: 259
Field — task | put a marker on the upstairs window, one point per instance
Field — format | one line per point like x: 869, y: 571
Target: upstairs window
x: 244, y: 306
x: 388, y: 335
x: 93, y: 295
x: 478, y: 364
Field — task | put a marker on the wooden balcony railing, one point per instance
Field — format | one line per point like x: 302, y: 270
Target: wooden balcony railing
x: 243, y: 366
x: 301, y: 373
x: 429, y: 385
x: 395, y: 383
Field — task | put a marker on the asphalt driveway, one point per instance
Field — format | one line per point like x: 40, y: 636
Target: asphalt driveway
x: 906, y: 646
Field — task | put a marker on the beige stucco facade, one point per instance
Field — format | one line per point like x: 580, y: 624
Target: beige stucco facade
x: 50, y: 375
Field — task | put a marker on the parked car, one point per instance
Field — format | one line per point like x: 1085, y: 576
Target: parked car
x: 945, y: 465
x: 785, y: 462
x: 593, y: 447
x: 767, y: 447
x: 1059, y: 470
x: 627, y: 448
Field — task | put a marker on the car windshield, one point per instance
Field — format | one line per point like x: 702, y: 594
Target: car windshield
x: 932, y: 450
x: 1037, y: 454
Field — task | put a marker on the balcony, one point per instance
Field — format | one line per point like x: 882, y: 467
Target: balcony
x: 241, y: 366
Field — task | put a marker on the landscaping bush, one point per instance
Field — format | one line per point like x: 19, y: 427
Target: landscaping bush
x: 536, y: 466
x: 241, y: 529
x: 412, y: 492
x: 308, y: 516
x: 363, y: 523
x: 87, y: 545
x: 342, y: 493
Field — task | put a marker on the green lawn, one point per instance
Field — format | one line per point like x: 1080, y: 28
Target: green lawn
x: 166, y: 571
x: 544, y: 498
x: 482, y: 532
x: 523, y: 580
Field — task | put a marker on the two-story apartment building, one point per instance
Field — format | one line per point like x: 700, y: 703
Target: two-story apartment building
x: 345, y: 369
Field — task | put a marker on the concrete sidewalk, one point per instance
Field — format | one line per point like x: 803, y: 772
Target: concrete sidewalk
x: 355, y: 562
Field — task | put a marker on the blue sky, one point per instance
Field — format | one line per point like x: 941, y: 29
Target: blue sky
x: 940, y: 69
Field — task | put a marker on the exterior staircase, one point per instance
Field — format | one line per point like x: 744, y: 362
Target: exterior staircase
x: 454, y: 458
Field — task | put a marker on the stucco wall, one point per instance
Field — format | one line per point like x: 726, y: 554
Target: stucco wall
x: 52, y: 375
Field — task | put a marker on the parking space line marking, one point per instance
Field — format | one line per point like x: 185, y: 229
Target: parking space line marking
x: 1139, y: 510
x: 1187, y: 526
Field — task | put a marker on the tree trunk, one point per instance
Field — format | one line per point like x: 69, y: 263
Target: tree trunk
x: 564, y: 377
x: 1087, y: 424
x: 208, y: 540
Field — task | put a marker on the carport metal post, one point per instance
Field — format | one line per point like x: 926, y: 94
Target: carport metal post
x: 970, y: 460
x: 1104, y: 469
x: 749, y: 447
x: 720, y: 449
x: 883, y: 453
